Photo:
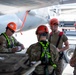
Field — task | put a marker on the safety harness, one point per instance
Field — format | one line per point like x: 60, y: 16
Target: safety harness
x: 9, y: 45
x: 60, y: 35
x: 46, y: 57
x: 45, y: 47
x: 45, y: 54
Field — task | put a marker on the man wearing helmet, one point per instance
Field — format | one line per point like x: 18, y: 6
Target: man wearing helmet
x: 44, y: 52
x: 57, y: 38
x: 7, y: 42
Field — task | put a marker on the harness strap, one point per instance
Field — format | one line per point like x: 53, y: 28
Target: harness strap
x: 60, y: 34
x: 44, y: 50
x: 46, y: 55
x: 8, y: 41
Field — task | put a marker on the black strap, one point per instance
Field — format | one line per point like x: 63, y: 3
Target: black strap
x: 46, y: 71
x: 50, y: 37
x: 58, y: 41
x: 60, y: 53
x: 60, y: 34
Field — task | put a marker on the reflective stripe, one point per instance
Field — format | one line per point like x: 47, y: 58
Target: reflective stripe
x: 45, y: 49
x: 47, y: 53
x: 8, y: 41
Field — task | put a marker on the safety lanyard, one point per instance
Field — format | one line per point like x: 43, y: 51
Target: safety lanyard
x: 45, y: 48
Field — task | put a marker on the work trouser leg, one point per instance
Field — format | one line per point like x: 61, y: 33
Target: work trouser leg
x: 53, y: 72
x: 59, y: 69
x: 74, y: 72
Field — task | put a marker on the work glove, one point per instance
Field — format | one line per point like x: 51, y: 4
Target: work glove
x: 15, y: 49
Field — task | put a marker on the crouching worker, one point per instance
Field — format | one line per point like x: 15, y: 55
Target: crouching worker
x: 43, y: 51
x: 7, y: 42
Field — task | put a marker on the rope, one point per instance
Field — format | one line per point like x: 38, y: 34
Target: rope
x: 24, y: 20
